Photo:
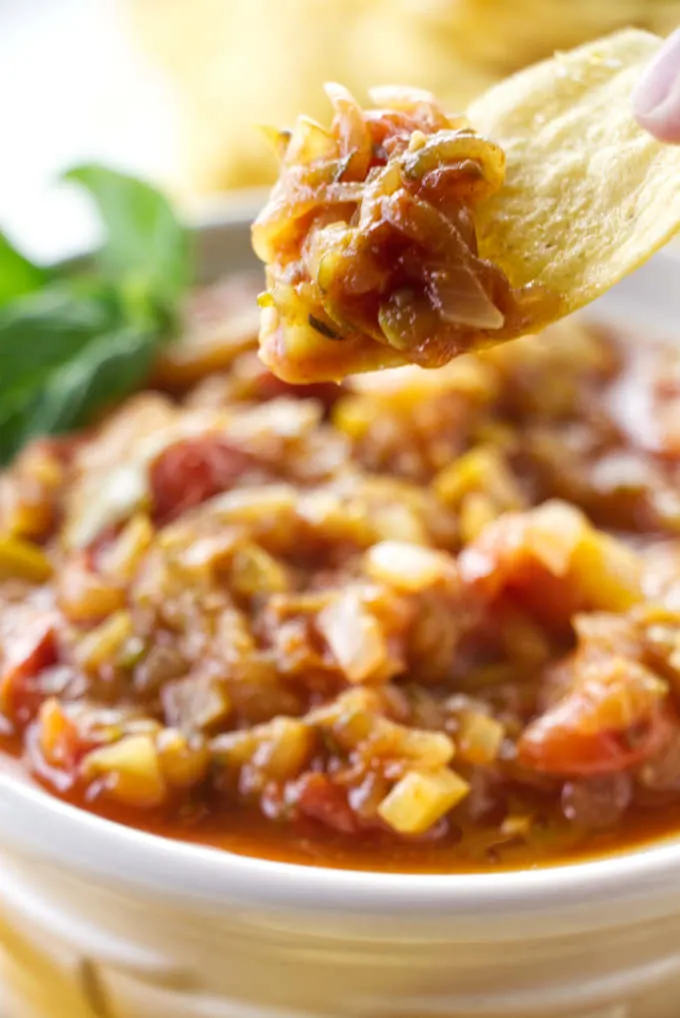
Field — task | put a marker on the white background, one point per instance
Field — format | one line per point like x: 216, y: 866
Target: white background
x: 72, y: 89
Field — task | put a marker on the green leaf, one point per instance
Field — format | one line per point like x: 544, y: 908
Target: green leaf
x: 78, y: 339
x: 110, y: 367
x: 66, y: 353
x: 106, y: 370
x: 146, y: 249
x: 18, y: 275
x: 42, y: 330
x: 14, y: 408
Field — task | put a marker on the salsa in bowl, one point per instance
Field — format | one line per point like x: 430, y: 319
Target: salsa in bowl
x: 421, y: 621
x: 96, y: 910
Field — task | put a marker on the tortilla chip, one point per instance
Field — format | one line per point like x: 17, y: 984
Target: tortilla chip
x: 588, y: 196
x: 402, y: 234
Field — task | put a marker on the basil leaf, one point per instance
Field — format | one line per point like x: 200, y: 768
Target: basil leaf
x: 66, y: 353
x: 18, y: 275
x: 15, y: 410
x: 111, y: 366
x: 146, y: 250
x: 76, y: 340
x: 41, y: 330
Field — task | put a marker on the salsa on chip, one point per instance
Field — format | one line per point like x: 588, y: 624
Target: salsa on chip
x: 404, y: 235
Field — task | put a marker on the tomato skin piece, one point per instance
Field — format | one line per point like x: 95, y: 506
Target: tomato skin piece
x: 27, y: 654
x: 193, y: 470
x: 320, y: 799
x: 269, y: 386
x: 58, y: 739
x: 553, y: 745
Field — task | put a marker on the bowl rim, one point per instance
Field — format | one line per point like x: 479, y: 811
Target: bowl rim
x: 33, y: 820
x: 56, y: 832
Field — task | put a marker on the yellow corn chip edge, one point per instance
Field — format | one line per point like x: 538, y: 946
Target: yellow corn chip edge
x: 589, y: 196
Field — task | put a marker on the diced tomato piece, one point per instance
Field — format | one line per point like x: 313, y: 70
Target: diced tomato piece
x: 553, y: 744
x: 322, y: 800
x: 58, y: 737
x: 82, y: 594
x: 553, y: 563
x: 29, y: 647
x: 193, y: 470
x: 63, y: 447
x: 505, y: 558
x: 271, y: 387
x: 389, y: 129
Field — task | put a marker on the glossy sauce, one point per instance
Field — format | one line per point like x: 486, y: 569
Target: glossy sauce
x: 245, y: 831
x: 566, y: 664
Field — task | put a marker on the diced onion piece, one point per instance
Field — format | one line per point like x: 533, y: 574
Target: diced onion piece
x: 482, y: 469
x: 196, y: 702
x: 409, y: 567
x: 335, y: 518
x: 354, y: 726
x: 234, y: 749
x: 130, y: 771
x: 23, y: 560
x: 460, y: 299
x: 215, y: 551
x: 102, y: 645
x: 83, y: 596
x: 419, y: 800
x: 309, y: 142
x: 477, y: 510
x: 251, y: 505
x: 423, y: 749
x: 122, y: 558
x: 399, y: 522
x: 479, y: 738
x: 354, y: 637
x: 553, y: 534
x: 184, y: 761
x: 118, y: 495
x: 608, y: 574
x: 285, y: 745
x: 28, y: 519
x: 354, y: 710
x: 446, y: 148
x: 353, y: 134
x: 254, y: 571
x: 517, y: 826
x: 350, y: 415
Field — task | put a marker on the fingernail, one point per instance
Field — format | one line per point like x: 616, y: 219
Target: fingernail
x: 659, y: 83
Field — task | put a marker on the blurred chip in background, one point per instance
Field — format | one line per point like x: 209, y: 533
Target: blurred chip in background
x: 238, y: 63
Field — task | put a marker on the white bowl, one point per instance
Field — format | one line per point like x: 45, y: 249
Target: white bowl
x: 103, y: 921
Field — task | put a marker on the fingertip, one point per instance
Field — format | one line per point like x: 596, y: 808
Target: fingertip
x: 656, y: 97
x: 664, y: 126
x: 658, y: 78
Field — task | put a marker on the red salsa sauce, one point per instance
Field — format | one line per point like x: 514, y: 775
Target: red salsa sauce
x: 427, y: 621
